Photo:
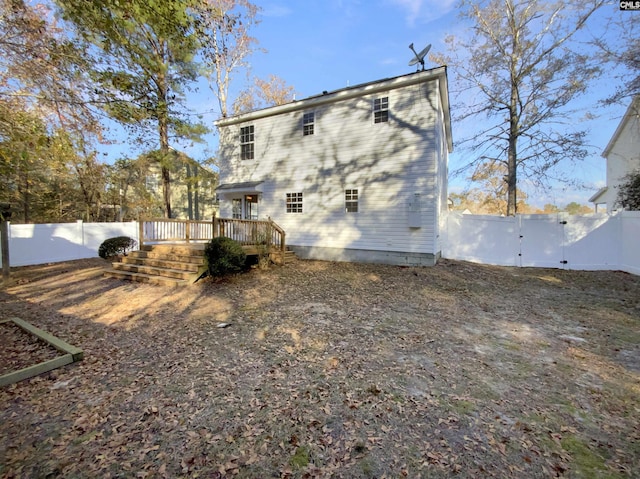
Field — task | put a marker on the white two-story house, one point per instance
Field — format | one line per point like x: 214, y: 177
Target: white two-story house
x: 623, y: 157
x: 358, y: 174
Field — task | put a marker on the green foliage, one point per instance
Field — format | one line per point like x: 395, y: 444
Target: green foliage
x: 629, y: 192
x: 143, y: 55
x: 224, y: 256
x: 574, y: 208
x: 115, y: 246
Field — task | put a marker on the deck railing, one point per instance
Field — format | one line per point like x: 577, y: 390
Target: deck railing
x: 172, y: 231
x: 246, y: 232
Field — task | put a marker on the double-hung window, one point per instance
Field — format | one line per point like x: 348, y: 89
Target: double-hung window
x: 294, y: 202
x: 351, y: 201
x: 381, y: 110
x: 308, y: 122
x: 247, y: 151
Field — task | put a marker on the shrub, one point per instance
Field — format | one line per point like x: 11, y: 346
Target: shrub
x: 224, y: 256
x: 629, y: 192
x: 115, y: 246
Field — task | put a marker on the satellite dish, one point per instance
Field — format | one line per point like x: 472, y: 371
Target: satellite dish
x: 419, y: 57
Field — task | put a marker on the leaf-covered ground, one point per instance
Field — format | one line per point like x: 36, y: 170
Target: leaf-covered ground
x: 330, y: 370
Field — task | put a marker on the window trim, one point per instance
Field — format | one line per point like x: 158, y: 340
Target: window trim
x: 351, y: 200
x: 247, y: 142
x: 293, y: 202
x: 380, y: 108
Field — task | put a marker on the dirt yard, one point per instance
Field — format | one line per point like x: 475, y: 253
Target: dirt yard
x: 327, y: 370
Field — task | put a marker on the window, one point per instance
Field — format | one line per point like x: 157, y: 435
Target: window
x: 236, y: 208
x: 308, y: 120
x: 246, y: 143
x: 381, y: 110
x: 294, y: 202
x: 351, y: 201
x: 152, y: 182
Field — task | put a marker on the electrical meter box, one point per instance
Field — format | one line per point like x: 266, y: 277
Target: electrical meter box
x: 415, y: 211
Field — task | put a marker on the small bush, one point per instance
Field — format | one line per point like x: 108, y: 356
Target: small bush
x: 224, y: 256
x: 115, y: 246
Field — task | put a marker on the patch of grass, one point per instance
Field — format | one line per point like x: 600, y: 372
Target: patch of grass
x: 368, y: 467
x: 300, y: 459
x: 586, y: 462
x: 89, y: 436
x: 463, y: 407
x: 458, y: 406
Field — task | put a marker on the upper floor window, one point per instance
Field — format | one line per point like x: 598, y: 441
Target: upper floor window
x: 152, y: 183
x: 308, y: 120
x: 381, y: 110
x: 351, y: 201
x: 294, y: 202
x: 247, y: 143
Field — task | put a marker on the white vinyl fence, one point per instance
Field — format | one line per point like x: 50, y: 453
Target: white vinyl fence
x: 50, y: 243
x: 590, y: 242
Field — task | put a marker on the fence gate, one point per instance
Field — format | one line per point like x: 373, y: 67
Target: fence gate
x: 542, y: 240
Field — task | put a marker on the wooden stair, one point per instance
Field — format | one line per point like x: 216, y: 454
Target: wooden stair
x: 289, y: 256
x: 168, y: 265
x: 171, y: 265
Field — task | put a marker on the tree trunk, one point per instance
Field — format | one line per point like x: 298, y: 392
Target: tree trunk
x: 163, y: 130
x: 512, y: 166
x: 512, y: 152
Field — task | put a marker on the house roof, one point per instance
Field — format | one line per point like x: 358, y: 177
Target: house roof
x: 597, y: 197
x: 634, y: 109
x: 439, y: 73
x: 245, y: 186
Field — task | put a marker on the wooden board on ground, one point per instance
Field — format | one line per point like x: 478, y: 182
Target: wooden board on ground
x: 71, y: 354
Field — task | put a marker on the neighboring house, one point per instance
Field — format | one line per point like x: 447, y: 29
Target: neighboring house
x: 357, y: 174
x: 622, y: 155
x: 193, y: 193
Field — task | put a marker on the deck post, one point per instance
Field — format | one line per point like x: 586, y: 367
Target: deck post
x: 140, y: 233
x: 187, y: 230
x: 215, y: 225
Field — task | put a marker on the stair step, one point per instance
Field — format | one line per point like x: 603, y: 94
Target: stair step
x: 195, y: 259
x: 157, y: 271
x: 194, y: 250
x: 162, y: 263
x: 146, y: 278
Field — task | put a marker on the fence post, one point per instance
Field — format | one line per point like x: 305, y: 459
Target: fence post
x: 80, y: 225
x: 4, y: 239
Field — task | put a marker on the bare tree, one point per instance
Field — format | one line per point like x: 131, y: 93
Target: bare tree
x: 263, y: 93
x: 521, y: 69
x: 227, y: 24
x: 619, y: 48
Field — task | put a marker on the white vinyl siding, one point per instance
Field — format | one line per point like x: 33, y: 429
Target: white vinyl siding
x: 388, y: 165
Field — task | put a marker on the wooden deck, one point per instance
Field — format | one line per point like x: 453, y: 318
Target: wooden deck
x: 172, y: 251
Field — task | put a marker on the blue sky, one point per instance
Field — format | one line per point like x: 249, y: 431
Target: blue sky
x: 317, y: 45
